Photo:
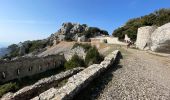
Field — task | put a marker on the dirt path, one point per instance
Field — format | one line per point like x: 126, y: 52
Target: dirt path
x: 142, y: 76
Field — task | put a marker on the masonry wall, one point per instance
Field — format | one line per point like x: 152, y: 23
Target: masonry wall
x: 10, y: 70
x: 79, y: 81
x: 110, y: 40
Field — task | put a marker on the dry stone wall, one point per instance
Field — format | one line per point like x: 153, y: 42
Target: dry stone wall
x: 23, y: 67
x: 40, y: 86
x: 80, y: 80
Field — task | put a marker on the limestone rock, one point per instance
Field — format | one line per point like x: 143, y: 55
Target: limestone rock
x: 66, y: 27
x: 161, y: 39
x: 143, y: 37
x: 78, y: 50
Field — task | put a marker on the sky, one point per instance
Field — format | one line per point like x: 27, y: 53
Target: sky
x: 22, y: 20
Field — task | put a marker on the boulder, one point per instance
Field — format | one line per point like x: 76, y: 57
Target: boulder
x: 161, y: 39
x: 78, y: 50
x: 143, y: 37
x: 66, y: 27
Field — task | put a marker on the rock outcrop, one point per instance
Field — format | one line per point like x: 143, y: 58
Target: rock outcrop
x: 78, y: 51
x: 143, y: 37
x: 161, y: 39
x: 71, y: 31
x: 154, y: 38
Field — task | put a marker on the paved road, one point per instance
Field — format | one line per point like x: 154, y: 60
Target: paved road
x: 142, y: 76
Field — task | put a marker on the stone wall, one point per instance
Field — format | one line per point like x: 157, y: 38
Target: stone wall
x: 109, y: 40
x: 79, y: 81
x: 23, y: 67
x: 143, y: 41
x: 30, y: 91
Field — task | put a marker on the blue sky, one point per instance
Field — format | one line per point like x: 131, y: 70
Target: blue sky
x: 22, y: 20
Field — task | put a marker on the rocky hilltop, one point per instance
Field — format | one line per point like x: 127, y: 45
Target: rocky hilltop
x: 76, y: 32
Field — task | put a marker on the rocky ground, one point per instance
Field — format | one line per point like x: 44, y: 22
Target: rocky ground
x: 139, y: 75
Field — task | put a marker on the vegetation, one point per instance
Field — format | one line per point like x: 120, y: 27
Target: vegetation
x: 157, y: 18
x: 29, y: 47
x: 7, y: 88
x: 93, y: 56
x: 75, y: 61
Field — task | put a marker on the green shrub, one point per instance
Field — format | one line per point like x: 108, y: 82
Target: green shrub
x: 75, y: 61
x: 93, y: 56
x: 8, y: 87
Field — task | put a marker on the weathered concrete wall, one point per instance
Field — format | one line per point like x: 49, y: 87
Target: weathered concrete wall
x: 30, y: 91
x: 110, y: 40
x: 80, y: 80
x: 23, y: 67
x: 143, y: 41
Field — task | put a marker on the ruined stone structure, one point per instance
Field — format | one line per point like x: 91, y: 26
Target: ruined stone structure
x: 161, y: 39
x: 23, y: 67
x: 127, y: 39
x: 143, y: 41
x: 106, y: 39
x: 79, y: 81
x: 154, y: 38
x: 30, y: 91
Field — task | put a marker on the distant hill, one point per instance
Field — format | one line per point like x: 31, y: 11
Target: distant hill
x: 3, y: 51
x: 157, y: 18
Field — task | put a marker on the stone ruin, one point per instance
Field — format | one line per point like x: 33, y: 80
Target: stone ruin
x: 143, y: 41
x: 154, y: 38
x: 73, y: 86
x: 16, y: 69
x: 79, y: 81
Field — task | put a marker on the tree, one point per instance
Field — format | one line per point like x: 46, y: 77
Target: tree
x: 93, y: 56
x: 158, y: 18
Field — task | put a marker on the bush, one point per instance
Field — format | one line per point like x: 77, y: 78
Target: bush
x: 75, y: 61
x: 8, y: 87
x: 93, y: 56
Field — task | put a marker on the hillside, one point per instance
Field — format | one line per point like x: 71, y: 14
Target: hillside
x: 158, y: 18
x: 68, y: 32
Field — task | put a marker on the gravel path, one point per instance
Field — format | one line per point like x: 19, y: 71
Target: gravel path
x: 142, y: 76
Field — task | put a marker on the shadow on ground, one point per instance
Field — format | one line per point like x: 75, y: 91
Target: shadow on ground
x: 93, y: 90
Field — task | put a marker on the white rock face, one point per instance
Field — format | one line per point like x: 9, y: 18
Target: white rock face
x: 161, y: 39
x: 78, y: 51
x: 143, y: 37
